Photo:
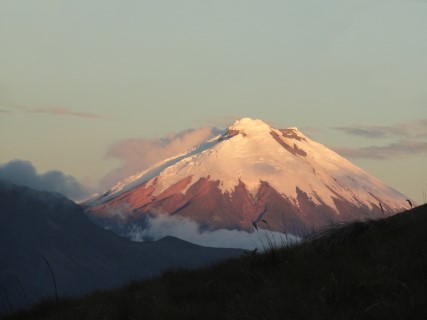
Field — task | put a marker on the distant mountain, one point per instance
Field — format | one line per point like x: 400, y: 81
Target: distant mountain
x: 47, y: 240
x: 252, y: 175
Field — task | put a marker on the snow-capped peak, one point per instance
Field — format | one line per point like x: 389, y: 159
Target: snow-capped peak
x: 250, y: 125
x: 252, y: 173
x: 252, y: 153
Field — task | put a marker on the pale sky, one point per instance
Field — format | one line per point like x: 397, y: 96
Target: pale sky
x: 78, y: 77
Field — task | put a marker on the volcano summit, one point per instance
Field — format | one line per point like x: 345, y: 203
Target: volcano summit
x: 251, y: 174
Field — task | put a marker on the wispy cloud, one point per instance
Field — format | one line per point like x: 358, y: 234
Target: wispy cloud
x: 4, y: 111
x: 410, y: 135
x: 60, y: 112
x: 363, y: 131
x: 67, y: 112
x: 393, y: 150
x: 415, y: 129
x: 140, y: 153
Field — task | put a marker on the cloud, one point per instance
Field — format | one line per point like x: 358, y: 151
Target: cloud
x: 411, y: 134
x: 163, y: 225
x: 363, y: 131
x: 60, y: 112
x: 415, y: 129
x: 139, y: 154
x: 4, y: 111
x: 24, y: 173
x: 401, y: 148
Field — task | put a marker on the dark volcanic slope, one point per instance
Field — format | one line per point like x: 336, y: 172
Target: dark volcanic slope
x: 41, y: 230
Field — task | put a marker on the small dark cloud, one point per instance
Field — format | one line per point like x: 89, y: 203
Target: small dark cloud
x: 393, y: 150
x: 24, y: 173
x: 4, y: 111
x: 414, y: 129
x: 60, y: 112
x: 363, y: 132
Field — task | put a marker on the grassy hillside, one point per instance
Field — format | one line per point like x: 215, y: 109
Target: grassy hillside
x: 372, y: 270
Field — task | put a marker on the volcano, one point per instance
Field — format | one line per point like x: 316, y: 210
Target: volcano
x: 252, y: 175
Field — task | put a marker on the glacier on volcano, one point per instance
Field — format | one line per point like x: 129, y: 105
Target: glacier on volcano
x: 252, y: 172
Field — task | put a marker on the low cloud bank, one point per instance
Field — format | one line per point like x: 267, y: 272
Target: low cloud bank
x: 164, y: 225
x: 24, y: 173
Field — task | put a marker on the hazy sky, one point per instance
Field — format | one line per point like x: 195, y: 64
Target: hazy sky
x: 81, y: 79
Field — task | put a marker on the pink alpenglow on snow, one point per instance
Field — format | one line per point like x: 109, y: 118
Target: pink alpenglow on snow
x: 251, y: 173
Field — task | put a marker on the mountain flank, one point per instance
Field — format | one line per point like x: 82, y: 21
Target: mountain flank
x: 363, y: 270
x: 49, y: 247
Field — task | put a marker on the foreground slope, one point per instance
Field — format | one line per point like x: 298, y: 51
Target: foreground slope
x: 253, y: 172
x: 364, y: 270
x: 46, y: 240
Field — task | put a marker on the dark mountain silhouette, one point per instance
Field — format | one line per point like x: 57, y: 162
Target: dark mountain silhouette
x: 48, y: 246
